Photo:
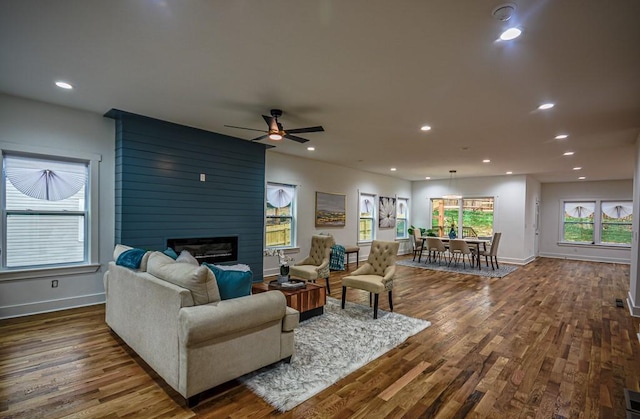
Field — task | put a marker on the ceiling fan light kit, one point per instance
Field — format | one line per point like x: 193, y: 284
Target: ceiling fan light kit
x: 276, y: 132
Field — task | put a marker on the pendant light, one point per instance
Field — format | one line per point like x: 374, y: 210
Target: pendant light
x: 451, y: 194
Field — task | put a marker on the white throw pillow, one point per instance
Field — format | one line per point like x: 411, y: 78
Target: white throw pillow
x: 186, y: 257
x: 239, y: 267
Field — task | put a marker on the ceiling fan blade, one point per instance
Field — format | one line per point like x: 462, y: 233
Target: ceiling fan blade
x: 250, y: 129
x: 308, y: 129
x: 262, y: 137
x: 294, y: 138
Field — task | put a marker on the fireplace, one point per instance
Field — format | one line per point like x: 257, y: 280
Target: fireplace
x: 208, y: 249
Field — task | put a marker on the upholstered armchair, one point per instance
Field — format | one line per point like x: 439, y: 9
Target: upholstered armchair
x: 316, y: 265
x: 376, y: 274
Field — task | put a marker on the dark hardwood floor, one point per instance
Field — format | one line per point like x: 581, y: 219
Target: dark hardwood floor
x: 546, y: 341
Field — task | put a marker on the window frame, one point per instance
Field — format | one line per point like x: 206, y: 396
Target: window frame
x: 92, y: 202
x: 373, y: 218
x: 459, y: 221
x: 292, y: 217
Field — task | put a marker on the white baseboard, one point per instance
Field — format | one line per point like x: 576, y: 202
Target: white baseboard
x: 634, y: 310
x: 48, y: 306
x: 585, y: 258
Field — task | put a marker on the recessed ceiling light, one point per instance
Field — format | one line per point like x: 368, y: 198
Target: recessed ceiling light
x: 486, y: 161
x: 311, y: 148
x: 425, y: 128
x: 511, y: 33
x: 428, y: 178
x: 64, y: 85
x: 561, y: 136
x: 509, y: 173
x: 577, y: 168
x: 393, y: 169
x: 546, y: 106
x: 582, y: 177
x: 568, y: 153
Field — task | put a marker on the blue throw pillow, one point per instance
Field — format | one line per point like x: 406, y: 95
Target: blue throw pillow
x: 131, y: 258
x: 232, y: 284
x: 171, y: 253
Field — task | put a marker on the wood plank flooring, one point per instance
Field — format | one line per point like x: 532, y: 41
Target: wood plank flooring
x: 546, y: 341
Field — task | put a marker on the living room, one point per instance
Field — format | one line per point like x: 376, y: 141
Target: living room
x: 527, y: 206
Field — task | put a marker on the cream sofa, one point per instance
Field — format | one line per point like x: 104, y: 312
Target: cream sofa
x: 171, y: 315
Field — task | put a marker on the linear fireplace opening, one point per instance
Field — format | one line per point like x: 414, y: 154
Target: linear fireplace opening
x: 208, y: 249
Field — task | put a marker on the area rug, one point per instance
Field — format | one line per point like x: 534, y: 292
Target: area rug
x: 328, y: 348
x: 500, y: 272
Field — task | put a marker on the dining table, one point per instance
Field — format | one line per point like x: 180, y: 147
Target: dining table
x: 470, y: 240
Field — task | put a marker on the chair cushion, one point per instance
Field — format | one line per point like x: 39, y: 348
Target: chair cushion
x: 308, y: 272
x: 197, y: 279
x: 370, y: 283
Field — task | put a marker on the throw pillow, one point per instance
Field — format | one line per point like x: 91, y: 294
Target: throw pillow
x: 131, y: 258
x: 232, y: 284
x: 186, y: 257
x: 171, y: 253
x: 197, y: 279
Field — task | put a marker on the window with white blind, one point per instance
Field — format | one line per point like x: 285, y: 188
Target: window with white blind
x: 45, y: 215
x: 402, y: 215
x: 280, y: 214
x: 367, y: 210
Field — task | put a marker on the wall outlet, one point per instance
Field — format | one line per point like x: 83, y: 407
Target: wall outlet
x: 54, y: 283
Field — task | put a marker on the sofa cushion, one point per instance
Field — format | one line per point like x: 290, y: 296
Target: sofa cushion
x: 117, y: 251
x: 197, y: 279
x: 232, y: 283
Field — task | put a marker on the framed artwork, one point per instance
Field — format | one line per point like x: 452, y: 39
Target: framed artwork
x: 387, y: 212
x: 331, y: 210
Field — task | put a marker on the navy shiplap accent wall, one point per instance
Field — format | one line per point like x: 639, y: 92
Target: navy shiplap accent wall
x: 159, y: 194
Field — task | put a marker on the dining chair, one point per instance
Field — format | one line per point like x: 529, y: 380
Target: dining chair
x: 417, y: 244
x: 491, y: 252
x: 436, y: 247
x: 459, y: 249
x: 375, y: 275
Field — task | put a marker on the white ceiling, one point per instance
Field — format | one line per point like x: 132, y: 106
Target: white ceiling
x: 371, y: 72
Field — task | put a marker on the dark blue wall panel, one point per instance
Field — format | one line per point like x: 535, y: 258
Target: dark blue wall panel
x: 159, y: 194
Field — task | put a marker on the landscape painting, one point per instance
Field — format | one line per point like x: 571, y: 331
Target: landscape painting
x: 330, y: 210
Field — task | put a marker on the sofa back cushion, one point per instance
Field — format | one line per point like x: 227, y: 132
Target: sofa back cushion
x: 197, y: 279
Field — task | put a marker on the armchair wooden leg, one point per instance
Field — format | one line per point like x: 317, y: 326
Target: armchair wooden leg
x: 370, y: 299
x: 391, y: 300
x: 375, y: 307
x: 328, y: 286
x: 344, y: 295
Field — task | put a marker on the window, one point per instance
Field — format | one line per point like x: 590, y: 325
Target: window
x: 402, y: 215
x: 616, y: 221
x: 45, y: 216
x: 578, y: 222
x: 597, y: 222
x: 366, y: 226
x: 471, y: 217
x: 280, y: 223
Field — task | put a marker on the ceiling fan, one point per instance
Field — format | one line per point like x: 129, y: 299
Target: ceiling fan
x: 276, y: 131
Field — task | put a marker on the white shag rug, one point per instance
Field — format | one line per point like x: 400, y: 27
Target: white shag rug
x: 328, y: 348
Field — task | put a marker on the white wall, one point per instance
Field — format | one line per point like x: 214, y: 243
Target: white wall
x: 510, y: 214
x: 311, y: 176
x: 58, y: 129
x: 633, y: 300
x: 551, y: 216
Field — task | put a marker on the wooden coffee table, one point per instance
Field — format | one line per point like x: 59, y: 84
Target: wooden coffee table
x: 309, y: 301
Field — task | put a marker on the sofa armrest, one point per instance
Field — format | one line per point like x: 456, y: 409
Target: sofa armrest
x: 209, y: 321
x: 291, y: 320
